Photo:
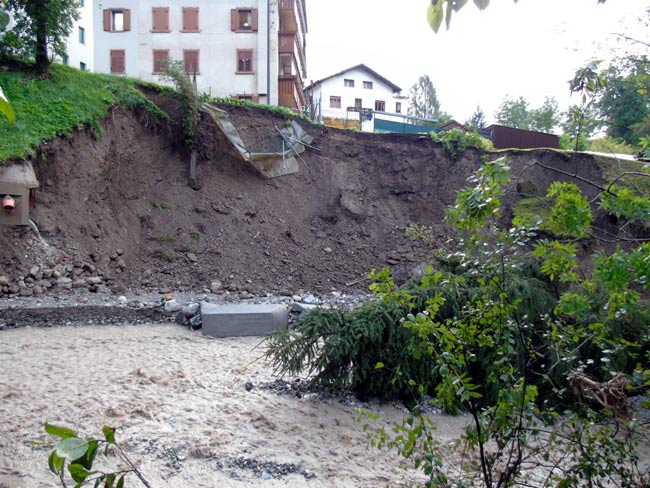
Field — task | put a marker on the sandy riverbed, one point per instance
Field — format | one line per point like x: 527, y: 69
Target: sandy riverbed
x: 180, y: 404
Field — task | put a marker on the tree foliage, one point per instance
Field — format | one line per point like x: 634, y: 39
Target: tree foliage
x: 477, y: 122
x: 517, y: 113
x: 439, y: 10
x: 424, y: 103
x: 40, y: 27
x: 625, y: 102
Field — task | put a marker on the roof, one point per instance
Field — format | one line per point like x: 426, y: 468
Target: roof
x: 361, y: 67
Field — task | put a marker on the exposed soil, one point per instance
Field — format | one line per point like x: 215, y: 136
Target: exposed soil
x: 123, y: 205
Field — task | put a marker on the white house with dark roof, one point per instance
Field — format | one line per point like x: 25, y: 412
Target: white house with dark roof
x: 352, y: 92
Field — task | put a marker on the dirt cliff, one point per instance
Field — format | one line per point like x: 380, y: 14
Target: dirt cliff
x: 121, y: 206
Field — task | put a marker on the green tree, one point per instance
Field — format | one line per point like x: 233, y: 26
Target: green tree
x: 40, y: 27
x: 5, y: 107
x: 513, y: 113
x: 546, y: 117
x: 424, y: 103
x: 517, y: 113
x: 477, y: 122
x: 625, y: 104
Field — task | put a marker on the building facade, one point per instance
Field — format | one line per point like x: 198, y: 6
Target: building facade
x: 81, y: 42
x: 354, y: 94
x: 248, y: 49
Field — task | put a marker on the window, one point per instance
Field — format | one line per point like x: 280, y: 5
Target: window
x: 81, y: 3
x: 349, y: 83
x: 117, y: 20
x: 244, y: 61
x: 160, y: 19
x: 243, y: 19
x: 160, y: 60
x: 118, y: 61
x: 398, y: 107
x: 380, y: 105
x: 82, y: 35
x: 190, y: 19
x: 82, y: 66
x: 191, y: 61
x: 358, y: 103
x: 367, y: 84
x: 286, y: 64
x: 335, y: 102
x: 66, y: 59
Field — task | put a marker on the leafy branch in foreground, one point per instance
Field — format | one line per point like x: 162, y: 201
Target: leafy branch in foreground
x: 86, y: 461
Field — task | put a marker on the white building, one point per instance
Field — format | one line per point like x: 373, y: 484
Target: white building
x: 250, y: 49
x: 81, y: 40
x: 353, y: 94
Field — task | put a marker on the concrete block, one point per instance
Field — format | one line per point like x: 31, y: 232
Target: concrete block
x: 242, y: 319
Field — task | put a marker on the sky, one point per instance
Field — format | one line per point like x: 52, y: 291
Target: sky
x: 530, y: 48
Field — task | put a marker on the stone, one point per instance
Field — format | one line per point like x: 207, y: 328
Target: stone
x: 191, y: 309
x: 22, y: 285
x: 13, y: 289
x: 64, y: 280
x: 94, y: 280
x: 122, y: 300
x: 310, y: 299
x: 191, y: 257
x: 172, y: 306
x: 47, y: 273
x: 301, y: 307
x: 243, y: 319
x: 78, y: 284
x: 4, y: 280
x: 180, y: 318
x: 327, y: 249
x: 34, y: 271
x: 26, y: 292
x: 215, y: 286
x: 196, y: 322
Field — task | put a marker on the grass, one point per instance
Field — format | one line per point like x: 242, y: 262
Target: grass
x: 70, y: 99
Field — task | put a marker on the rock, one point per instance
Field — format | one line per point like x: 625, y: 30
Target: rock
x: 310, y: 299
x: 4, y: 280
x: 38, y: 291
x: 94, y: 280
x: 191, y: 257
x: 120, y: 263
x: 122, y: 300
x: 21, y: 284
x: 63, y: 280
x: 26, y: 292
x: 196, y: 322
x: 56, y: 274
x: 172, y: 306
x: 102, y: 289
x: 13, y: 289
x: 248, y: 386
x: 180, y: 318
x: 47, y: 273
x: 78, y: 284
x: 190, y: 310
x: 34, y: 271
x: 327, y: 249
x: 215, y: 286
x: 119, y: 252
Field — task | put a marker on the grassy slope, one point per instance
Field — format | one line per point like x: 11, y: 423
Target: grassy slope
x: 70, y: 99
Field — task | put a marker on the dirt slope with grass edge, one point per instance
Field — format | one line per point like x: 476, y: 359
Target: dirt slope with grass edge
x: 120, y: 203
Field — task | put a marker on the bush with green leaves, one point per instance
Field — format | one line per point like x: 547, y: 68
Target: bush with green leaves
x: 89, y: 461
x: 456, y: 141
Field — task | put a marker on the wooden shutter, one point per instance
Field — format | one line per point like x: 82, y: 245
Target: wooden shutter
x: 107, y: 19
x: 118, y: 61
x: 127, y: 19
x: 160, y: 60
x: 234, y: 19
x: 190, y: 19
x: 191, y: 61
x: 160, y: 19
x: 254, y: 20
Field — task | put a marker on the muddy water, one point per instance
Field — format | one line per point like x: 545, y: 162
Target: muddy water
x: 181, y: 408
